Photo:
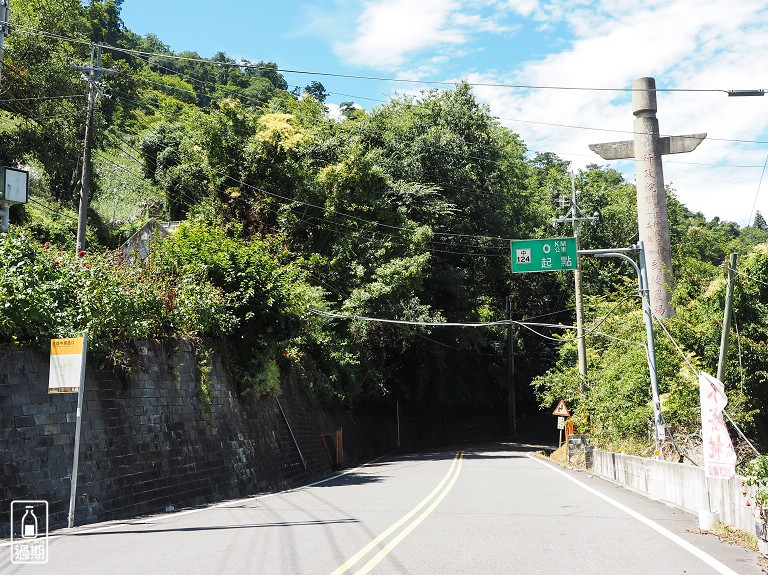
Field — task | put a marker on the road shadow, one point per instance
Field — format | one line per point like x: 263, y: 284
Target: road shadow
x: 318, y: 523
x: 495, y: 450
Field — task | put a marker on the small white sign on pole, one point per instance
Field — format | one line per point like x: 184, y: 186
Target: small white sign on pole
x: 68, y: 376
x: 67, y: 365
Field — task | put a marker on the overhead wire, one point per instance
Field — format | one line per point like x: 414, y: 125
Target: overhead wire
x: 262, y: 67
x: 524, y: 324
x: 402, y: 80
x: 243, y: 65
x: 757, y: 192
x: 754, y: 279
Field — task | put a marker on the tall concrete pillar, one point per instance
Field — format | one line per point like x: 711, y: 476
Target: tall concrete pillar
x: 652, y: 218
x: 647, y: 148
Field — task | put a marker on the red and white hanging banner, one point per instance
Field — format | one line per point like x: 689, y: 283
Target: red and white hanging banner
x: 719, y: 455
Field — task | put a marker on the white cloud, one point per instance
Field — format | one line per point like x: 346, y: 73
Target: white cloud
x: 684, y: 44
x: 599, y: 44
x: 387, y: 31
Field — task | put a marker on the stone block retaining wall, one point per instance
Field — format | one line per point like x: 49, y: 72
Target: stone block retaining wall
x: 146, y: 444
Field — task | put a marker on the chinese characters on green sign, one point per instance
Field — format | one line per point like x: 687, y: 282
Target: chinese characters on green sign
x: 551, y: 254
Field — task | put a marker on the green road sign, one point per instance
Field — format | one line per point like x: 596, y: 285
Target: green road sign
x: 551, y: 254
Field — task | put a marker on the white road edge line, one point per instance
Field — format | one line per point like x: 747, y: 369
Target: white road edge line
x: 206, y: 508
x: 692, y: 549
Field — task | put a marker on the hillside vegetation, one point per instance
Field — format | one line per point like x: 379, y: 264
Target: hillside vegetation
x: 400, y: 212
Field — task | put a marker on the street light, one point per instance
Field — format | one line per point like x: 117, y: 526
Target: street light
x: 643, y: 288
x: 746, y: 92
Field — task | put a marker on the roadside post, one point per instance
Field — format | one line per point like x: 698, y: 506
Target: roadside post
x: 67, y: 375
x: 561, y: 411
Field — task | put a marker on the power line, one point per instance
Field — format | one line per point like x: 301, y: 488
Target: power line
x: 69, y: 97
x: 760, y: 183
x: 746, y: 276
x: 245, y: 65
x: 525, y: 324
x: 400, y: 80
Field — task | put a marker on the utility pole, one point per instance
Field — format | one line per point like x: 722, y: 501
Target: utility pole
x: 652, y: 219
x: 511, y: 393
x: 576, y: 216
x: 4, y: 29
x: 726, y: 319
x: 91, y: 75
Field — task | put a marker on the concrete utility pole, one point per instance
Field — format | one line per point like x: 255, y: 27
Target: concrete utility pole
x: 511, y: 395
x: 576, y: 216
x: 4, y: 29
x: 92, y: 77
x: 727, y: 312
x: 652, y: 220
x: 4, y: 26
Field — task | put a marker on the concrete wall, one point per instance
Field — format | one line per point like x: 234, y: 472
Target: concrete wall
x: 681, y: 485
x: 145, y: 445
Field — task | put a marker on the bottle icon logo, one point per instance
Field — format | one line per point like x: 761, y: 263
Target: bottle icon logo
x: 29, y: 531
x: 29, y: 523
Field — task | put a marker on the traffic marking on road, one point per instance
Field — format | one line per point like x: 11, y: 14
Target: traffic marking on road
x: 437, y: 494
x: 692, y: 549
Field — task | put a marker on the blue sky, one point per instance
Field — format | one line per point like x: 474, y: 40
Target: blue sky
x: 684, y: 44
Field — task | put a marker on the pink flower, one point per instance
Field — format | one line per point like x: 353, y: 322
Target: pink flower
x: 81, y: 253
x: 55, y: 262
x: 47, y: 246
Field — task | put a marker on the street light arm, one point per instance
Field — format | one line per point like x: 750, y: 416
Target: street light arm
x: 642, y: 281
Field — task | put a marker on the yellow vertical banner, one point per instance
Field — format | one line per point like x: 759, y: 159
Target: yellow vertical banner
x: 67, y: 365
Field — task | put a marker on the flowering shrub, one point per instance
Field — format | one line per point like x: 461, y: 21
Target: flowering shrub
x: 199, y: 283
x: 46, y: 293
x: 756, y: 474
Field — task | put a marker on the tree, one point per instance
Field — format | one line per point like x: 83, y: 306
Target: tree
x: 104, y: 22
x: 351, y: 111
x: 759, y: 221
x: 316, y: 90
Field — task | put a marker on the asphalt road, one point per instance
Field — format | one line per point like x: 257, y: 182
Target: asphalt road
x: 484, y: 510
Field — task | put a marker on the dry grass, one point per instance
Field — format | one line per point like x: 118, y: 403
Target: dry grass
x: 560, y: 455
x: 735, y: 536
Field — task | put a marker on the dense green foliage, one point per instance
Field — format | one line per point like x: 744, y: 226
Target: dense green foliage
x: 403, y: 212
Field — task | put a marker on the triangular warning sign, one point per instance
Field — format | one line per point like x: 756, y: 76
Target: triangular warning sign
x: 561, y: 409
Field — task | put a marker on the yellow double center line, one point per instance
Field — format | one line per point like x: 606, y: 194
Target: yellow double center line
x: 435, y: 497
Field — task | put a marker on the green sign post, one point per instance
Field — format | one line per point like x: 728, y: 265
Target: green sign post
x: 547, y: 255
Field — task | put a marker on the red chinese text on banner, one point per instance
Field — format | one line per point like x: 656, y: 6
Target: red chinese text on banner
x: 719, y: 455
